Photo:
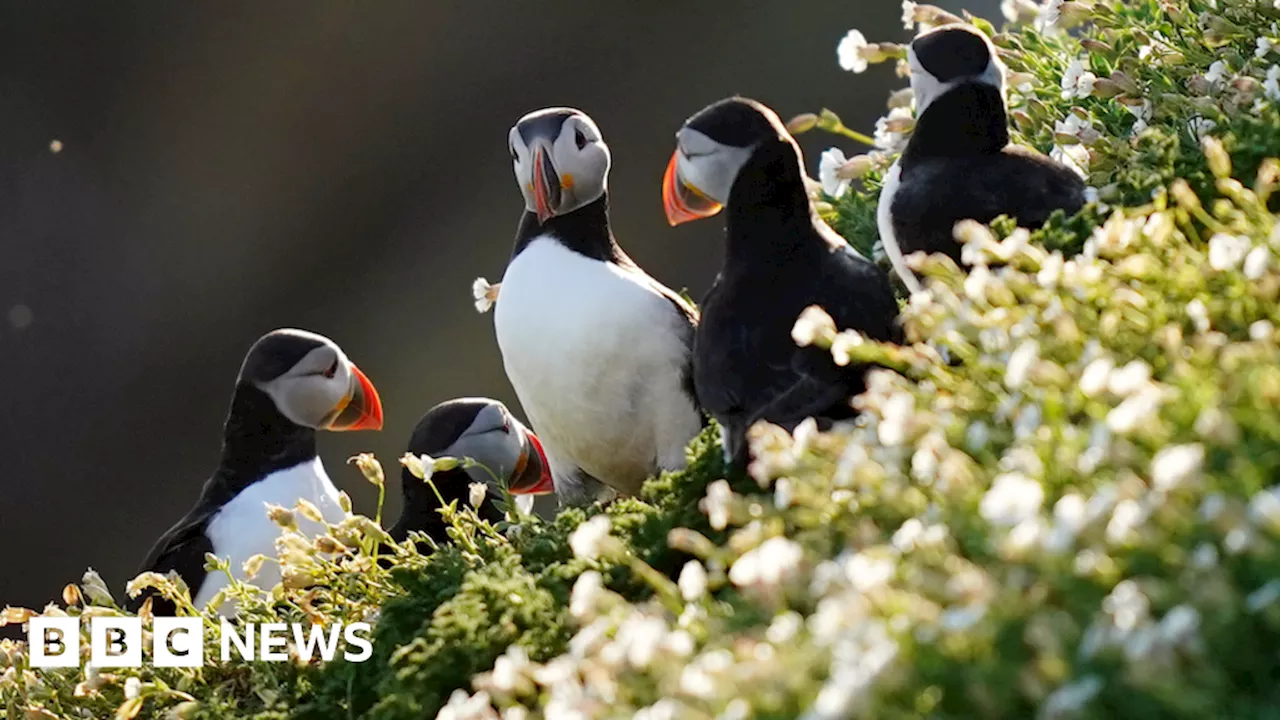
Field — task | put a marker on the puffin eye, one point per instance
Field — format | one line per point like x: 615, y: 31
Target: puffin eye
x: 579, y: 138
x: 333, y: 369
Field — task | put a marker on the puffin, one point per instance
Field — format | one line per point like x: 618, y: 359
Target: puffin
x: 291, y: 384
x: 779, y: 259
x: 598, y: 352
x: 485, y: 431
x: 959, y: 163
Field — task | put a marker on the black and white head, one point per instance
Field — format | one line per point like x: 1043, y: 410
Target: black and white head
x: 311, y: 381
x: 711, y: 149
x: 485, y: 431
x: 951, y: 55
x: 560, y: 161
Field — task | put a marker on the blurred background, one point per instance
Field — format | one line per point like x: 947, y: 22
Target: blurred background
x: 224, y: 169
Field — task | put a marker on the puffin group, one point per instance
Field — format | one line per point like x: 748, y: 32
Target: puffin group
x: 616, y: 372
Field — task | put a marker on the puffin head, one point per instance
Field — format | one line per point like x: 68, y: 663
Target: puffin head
x: 560, y: 161
x: 485, y: 431
x: 711, y: 149
x: 951, y: 55
x: 311, y: 381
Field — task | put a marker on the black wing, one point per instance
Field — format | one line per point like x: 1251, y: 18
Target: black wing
x: 1018, y: 182
x: 182, y: 549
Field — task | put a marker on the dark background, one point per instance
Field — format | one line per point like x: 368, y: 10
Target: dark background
x: 233, y: 167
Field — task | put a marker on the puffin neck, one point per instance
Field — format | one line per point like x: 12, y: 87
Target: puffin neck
x: 969, y: 119
x: 768, y: 215
x: 585, y: 231
x: 421, y: 510
x: 258, y: 440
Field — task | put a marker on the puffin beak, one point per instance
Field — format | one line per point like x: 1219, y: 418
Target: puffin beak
x: 546, y: 185
x: 532, y: 475
x: 681, y: 199
x: 361, y: 409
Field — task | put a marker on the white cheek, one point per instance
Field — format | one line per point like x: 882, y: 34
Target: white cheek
x: 713, y: 174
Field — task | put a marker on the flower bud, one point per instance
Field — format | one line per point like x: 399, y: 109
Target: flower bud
x: 327, y: 545
x: 253, y: 566
x: 371, y: 468
x: 71, y: 595
x: 829, y: 121
x: 802, y: 123
x: 282, y: 516
x: 309, y: 511
x: 1216, y: 155
x: 418, y: 466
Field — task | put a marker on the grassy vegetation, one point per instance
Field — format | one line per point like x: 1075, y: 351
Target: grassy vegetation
x: 1078, y: 519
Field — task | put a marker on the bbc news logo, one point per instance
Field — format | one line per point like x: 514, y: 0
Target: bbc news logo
x: 54, y: 642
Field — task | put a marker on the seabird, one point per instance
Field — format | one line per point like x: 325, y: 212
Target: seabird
x: 780, y: 258
x: 291, y: 384
x: 959, y: 163
x: 597, y: 351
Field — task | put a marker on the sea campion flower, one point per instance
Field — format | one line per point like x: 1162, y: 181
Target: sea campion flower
x: 828, y: 165
x: 1077, y: 82
x: 1013, y: 498
x: 893, y: 129
x: 850, y: 51
x: 484, y: 294
x: 813, y: 324
x: 588, y: 540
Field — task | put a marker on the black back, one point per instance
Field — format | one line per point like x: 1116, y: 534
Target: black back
x: 257, y: 441
x: 780, y: 259
x: 959, y: 165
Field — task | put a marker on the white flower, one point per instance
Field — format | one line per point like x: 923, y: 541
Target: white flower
x: 1075, y: 157
x: 1077, y: 82
x: 588, y: 538
x: 892, y: 129
x: 1068, y: 700
x: 1179, y: 625
x: 1136, y: 411
x: 693, y: 581
x: 1265, y: 595
x: 1076, y: 127
x: 843, y: 345
x: 1020, y: 363
x: 908, y: 15
x: 1125, y: 519
x: 784, y: 627
x: 1261, y: 330
x: 1012, y: 498
x: 716, y: 504
x: 1129, y: 379
x: 867, y: 572
x: 1200, y: 126
x: 1095, y: 376
x: 1264, y: 507
x: 895, y: 418
x: 1050, y: 12
x: 509, y: 669
x: 1226, y: 252
x: 1264, y: 47
x: 484, y: 294
x: 774, y: 561
x: 1173, y: 466
x: 587, y: 591
x: 813, y: 323
x: 132, y: 688
x: 849, y: 52
x: 476, y: 493
x: 1256, y: 262
x: 1199, y: 314
x: 1217, y: 72
x: 1271, y: 86
x: 524, y: 503
x: 830, y: 162
x: 462, y: 706
x: 1143, y: 114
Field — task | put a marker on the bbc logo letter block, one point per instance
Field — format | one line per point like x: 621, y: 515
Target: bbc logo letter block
x: 115, y: 642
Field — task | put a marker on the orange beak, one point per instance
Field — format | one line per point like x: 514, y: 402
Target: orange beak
x: 546, y: 186
x: 361, y: 409
x: 682, y: 201
x: 533, y: 473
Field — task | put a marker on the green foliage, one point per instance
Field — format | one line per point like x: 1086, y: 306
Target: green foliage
x: 1076, y: 517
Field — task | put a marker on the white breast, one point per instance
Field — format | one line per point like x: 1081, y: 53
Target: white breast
x: 241, y: 529
x: 884, y: 221
x: 596, y: 357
